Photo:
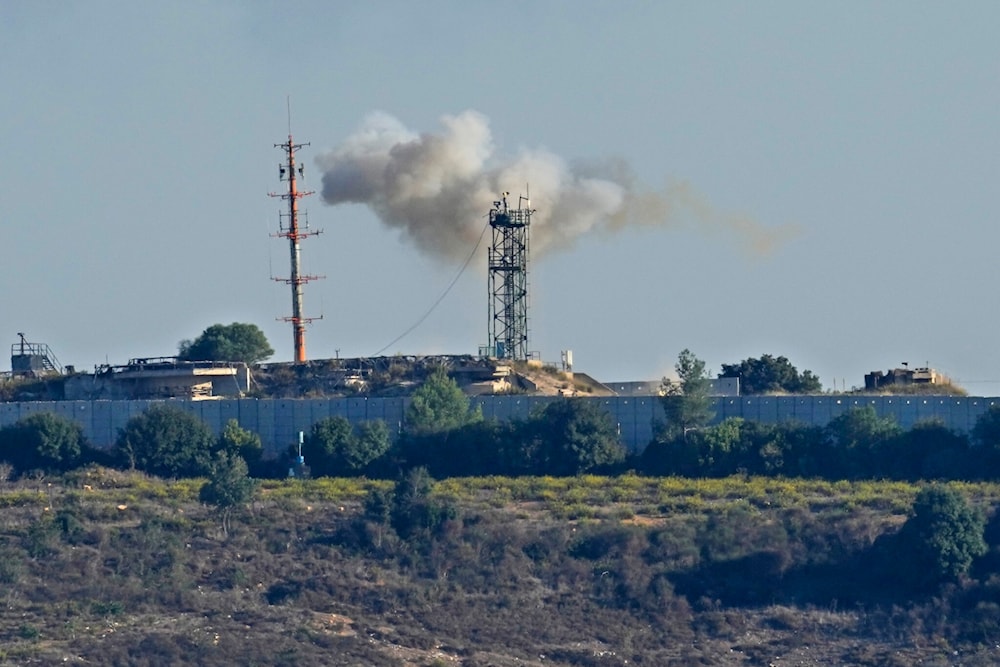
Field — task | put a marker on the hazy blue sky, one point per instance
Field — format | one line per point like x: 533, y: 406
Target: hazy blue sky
x: 861, y: 138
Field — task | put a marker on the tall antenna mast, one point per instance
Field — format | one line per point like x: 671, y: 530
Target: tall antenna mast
x: 508, y: 279
x: 292, y: 229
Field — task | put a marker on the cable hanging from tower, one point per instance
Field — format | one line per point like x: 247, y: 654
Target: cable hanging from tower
x: 434, y: 305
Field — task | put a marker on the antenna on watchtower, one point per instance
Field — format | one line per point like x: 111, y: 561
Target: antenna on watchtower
x: 291, y: 228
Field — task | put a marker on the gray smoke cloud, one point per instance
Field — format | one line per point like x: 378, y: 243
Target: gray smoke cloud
x: 436, y: 188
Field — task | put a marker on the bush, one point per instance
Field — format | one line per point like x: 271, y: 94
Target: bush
x: 939, y: 541
x: 43, y: 441
x: 168, y: 442
x: 335, y: 448
x: 569, y: 437
x: 238, y: 441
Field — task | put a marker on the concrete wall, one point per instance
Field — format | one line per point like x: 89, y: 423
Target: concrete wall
x: 278, y: 421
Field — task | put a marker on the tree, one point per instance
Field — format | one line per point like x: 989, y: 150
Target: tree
x: 931, y: 450
x: 238, y: 441
x: 228, y: 487
x: 166, y: 441
x: 570, y: 436
x: 941, y: 539
x: 769, y: 375
x: 336, y: 448
x: 861, y: 444
x: 233, y: 342
x: 415, y: 512
x: 42, y: 441
x: 687, y: 401
x: 439, y: 405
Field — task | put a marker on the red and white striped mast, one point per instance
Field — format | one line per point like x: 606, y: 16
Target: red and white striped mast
x: 292, y: 229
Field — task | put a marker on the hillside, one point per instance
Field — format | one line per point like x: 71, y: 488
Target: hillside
x: 111, y: 568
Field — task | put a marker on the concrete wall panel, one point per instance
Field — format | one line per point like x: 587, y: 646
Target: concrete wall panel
x: 905, y: 408
x: 357, y: 409
x: 520, y: 407
x: 891, y: 407
x: 485, y: 406
x: 104, y: 433
x: 285, y: 429
x: 622, y: 413
x: 785, y: 408
x: 69, y: 409
x: 958, y: 413
x: 9, y: 413
x: 804, y: 410
x: 338, y: 407
x: 729, y: 407
x: 302, y: 415
x: 768, y: 409
x: 33, y: 408
x: 645, y: 416
x: 248, y: 414
x: 266, y: 421
x: 502, y: 408
x: 319, y: 409
x: 229, y: 408
x: 211, y: 414
x: 822, y: 410
x: 977, y: 408
x: 278, y: 421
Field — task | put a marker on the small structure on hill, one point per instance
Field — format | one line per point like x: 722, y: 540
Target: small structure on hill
x: 33, y: 359
x: 161, y: 377
x: 905, y: 376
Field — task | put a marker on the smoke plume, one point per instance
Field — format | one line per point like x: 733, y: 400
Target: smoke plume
x: 437, y: 188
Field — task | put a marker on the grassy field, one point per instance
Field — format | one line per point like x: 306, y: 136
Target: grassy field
x: 116, y: 568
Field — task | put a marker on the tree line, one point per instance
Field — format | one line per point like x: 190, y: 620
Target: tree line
x: 565, y: 437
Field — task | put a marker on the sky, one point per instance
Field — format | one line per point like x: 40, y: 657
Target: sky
x: 813, y: 180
